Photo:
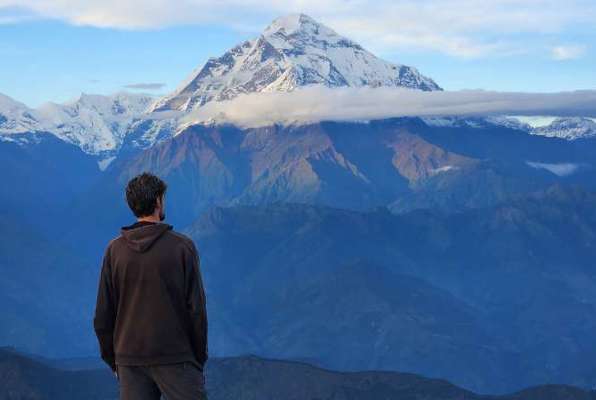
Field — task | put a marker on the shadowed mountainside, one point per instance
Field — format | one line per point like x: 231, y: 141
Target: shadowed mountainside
x: 482, y: 298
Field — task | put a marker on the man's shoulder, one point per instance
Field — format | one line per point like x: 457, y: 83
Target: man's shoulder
x: 113, y: 242
x: 182, y: 238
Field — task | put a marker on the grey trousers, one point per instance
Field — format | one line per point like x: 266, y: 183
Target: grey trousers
x: 180, y: 381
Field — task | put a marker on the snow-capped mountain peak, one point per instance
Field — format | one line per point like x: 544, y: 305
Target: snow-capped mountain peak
x: 293, y: 51
x: 289, y: 30
x: 289, y: 24
x: 95, y: 123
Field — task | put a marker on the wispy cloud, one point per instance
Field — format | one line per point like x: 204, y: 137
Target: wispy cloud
x: 319, y: 104
x: 12, y: 14
x: 145, y: 86
x: 466, y: 28
x: 560, y: 169
x: 568, y: 52
x: 9, y: 19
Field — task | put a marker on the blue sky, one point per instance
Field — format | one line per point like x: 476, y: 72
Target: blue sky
x: 54, y: 61
x: 54, y: 50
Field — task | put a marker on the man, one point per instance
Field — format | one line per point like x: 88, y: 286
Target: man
x: 151, y: 316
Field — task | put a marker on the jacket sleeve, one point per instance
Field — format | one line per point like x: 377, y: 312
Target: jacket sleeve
x: 105, y: 312
x: 196, y: 304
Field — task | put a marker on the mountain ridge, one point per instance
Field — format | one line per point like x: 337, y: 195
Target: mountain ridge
x: 97, y: 124
x: 249, y: 377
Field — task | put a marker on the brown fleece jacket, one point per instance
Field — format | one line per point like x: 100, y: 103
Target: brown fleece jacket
x: 151, y: 305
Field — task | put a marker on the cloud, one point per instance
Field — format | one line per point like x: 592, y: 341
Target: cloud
x: 559, y: 169
x: 145, y: 86
x: 463, y: 28
x: 13, y: 14
x: 9, y: 19
x: 317, y: 103
x: 570, y: 52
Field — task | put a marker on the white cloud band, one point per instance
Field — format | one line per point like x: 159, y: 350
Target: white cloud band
x: 320, y: 103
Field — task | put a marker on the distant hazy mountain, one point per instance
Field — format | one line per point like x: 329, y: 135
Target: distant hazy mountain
x: 251, y: 377
x: 24, y: 378
x: 41, y: 176
x: 46, y: 299
x: 44, y: 284
x: 293, y: 51
x: 480, y: 298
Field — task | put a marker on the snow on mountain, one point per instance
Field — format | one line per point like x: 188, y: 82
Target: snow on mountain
x: 467, y: 122
x: 534, y: 121
x: 569, y: 128
x: 16, y: 117
x: 95, y: 123
x: 293, y: 51
x: 148, y: 131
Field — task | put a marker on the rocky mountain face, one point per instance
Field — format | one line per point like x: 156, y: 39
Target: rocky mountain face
x: 407, y: 163
x: 353, y: 165
x: 402, y: 163
x: 293, y: 51
x: 251, y: 377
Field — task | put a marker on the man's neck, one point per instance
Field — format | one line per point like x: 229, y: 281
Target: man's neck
x: 148, y: 219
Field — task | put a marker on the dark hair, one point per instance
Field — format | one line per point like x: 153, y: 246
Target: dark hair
x: 142, y: 193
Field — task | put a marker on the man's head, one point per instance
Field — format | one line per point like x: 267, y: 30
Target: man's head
x: 145, y: 195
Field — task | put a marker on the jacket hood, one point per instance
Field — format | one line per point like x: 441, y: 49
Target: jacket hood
x: 141, y: 238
